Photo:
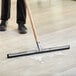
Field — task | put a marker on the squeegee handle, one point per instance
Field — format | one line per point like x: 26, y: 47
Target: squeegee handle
x: 32, y: 23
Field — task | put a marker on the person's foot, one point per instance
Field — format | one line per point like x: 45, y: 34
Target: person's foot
x: 22, y: 29
x: 3, y: 25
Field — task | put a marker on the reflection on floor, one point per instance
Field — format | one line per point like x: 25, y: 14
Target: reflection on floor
x: 55, y: 21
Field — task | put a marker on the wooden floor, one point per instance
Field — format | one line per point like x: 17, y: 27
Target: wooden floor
x: 55, y: 21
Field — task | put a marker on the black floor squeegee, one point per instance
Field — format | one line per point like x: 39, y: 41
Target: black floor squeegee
x: 39, y: 50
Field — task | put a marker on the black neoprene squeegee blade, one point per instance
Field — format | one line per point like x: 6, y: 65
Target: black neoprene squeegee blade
x: 33, y: 52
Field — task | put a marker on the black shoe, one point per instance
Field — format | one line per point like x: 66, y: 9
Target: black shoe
x: 22, y: 29
x: 3, y: 25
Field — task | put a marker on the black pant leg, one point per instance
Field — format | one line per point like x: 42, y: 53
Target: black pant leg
x: 21, y: 11
x: 5, y: 14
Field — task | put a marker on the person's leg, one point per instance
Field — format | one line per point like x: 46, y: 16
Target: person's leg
x: 21, y: 16
x: 5, y: 14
